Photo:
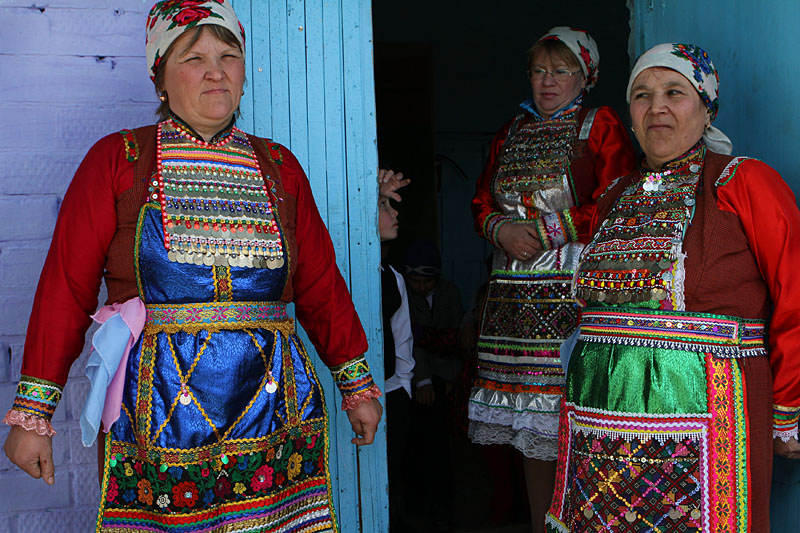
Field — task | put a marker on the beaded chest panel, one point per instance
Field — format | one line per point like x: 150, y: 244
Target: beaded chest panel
x: 536, y: 156
x: 215, y: 204
x: 636, y: 254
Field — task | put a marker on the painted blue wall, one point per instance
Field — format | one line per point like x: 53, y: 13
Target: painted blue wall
x: 310, y: 86
x: 74, y: 71
x: 752, y: 44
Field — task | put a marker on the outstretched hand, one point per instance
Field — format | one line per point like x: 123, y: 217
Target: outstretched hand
x: 32, y: 452
x: 389, y: 182
x: 364, y: 420
x: 789, y: 449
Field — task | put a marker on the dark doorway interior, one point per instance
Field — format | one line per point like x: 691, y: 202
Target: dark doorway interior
x: 448, y: 75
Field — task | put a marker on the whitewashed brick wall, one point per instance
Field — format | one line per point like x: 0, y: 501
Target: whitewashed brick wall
x: 72, y: 72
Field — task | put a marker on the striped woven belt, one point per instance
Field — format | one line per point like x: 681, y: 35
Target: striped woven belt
x: 724, y: 336
x: 217, y: 316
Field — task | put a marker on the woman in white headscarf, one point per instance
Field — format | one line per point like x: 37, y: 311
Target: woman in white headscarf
x: 685, y: 372
x: 534, y: 202
x: 213, y: 415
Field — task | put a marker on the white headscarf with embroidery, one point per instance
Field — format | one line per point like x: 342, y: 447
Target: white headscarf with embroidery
x: 696, y: 66
x: 169, y: 19
x: 583, y: 46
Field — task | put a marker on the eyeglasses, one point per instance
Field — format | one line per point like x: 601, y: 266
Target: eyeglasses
x: 560, y: 74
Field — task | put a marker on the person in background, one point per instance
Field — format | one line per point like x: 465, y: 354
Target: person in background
x: 684, y: 377
x: 436, y: 317
x: 398, y: 345
x: 212, y: 414
x: 534, y: 202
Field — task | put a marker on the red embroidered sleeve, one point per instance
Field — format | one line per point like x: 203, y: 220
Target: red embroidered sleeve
x: 771, y: 220
x: 322, y: 301
x: 488, y: 218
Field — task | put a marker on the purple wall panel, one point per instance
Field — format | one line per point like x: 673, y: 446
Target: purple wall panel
x: 74, y: 71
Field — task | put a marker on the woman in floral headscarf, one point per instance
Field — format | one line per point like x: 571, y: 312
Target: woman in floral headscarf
x: 687, y: 348
x: 534, y: 202
x: 213, y: 415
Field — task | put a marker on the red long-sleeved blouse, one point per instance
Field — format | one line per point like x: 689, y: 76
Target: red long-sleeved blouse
x: 77, y: 261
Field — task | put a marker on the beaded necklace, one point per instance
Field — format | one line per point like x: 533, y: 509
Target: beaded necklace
x: 636, y: 254
x: 215, y: 206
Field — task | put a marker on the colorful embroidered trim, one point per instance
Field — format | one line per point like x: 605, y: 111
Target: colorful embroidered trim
x: 491, y: 227
x: 637, y: 253
x: 37, y: 397
x: 277, y: 483
x: 785, y: 422
x: 213, y: 316
x: 730, y: 171
x: 697, y: 332
x: 355, y: 382
x: 223, y: 285
x: 217, y: 208
x: 131, y: 146
x: 556, y: 229
x: 536, y: 154
x: 727, y: 458
x: 275, y: 152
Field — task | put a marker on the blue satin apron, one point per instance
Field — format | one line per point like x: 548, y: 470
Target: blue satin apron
x: 223, y: 424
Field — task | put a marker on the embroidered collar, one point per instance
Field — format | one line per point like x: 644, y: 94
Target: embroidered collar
x: 565, y: 112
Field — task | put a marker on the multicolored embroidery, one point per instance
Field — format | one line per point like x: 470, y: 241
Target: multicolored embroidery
x: 354, y: 382
x: 555, y: 229
x: 216, y: 207
x: 663, y: 472
x: 212, y: 316
x: 535, y: 155
x: 625, y: 476
x: 37, y: 397
x: 223, y: 285
x: 526, y: 318
x: 280, y: 482
x: 702, y: 70
x: 636, y: 254
x: 785, y: 421
x: 701, y: 332
x: 131, y: 146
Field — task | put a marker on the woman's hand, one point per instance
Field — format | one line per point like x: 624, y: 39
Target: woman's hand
x: 519, y: 240
x: 789, y: 449
x: 364, y: 420
x: 389, y: 182
x: 32, y: 452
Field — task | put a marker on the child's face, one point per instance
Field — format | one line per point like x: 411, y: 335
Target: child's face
x: 420, y: 285
x: 387, y: 220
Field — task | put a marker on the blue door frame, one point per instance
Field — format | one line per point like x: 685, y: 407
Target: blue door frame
x: 310, y: 87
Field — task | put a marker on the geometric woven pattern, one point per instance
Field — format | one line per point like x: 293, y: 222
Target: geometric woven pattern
x: 636, y: 485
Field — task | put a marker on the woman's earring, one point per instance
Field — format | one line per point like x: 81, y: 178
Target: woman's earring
x: 242, y: 92
x: 163, y: 96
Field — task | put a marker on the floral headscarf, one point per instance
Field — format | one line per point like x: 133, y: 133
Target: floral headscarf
x: 583, y: 46
x: 696, y: 66
x: 170, y: 18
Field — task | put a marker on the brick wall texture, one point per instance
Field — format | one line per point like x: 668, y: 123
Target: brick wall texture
x: 79, y: 74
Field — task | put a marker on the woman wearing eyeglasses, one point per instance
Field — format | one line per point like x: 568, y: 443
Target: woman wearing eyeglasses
x: 534, y: 203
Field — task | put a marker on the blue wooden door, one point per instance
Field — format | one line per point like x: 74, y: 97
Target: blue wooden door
x: 310, y: 87
x: 752, y: 44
